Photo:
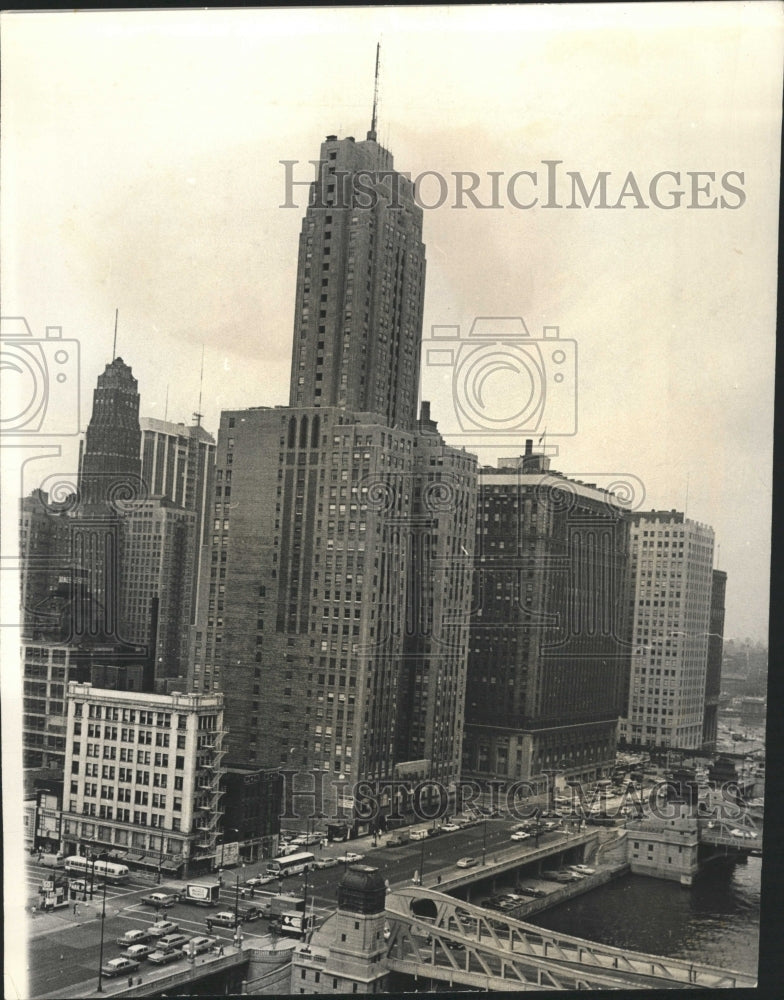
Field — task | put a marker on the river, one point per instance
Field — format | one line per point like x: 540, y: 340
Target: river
x: 715, y: 921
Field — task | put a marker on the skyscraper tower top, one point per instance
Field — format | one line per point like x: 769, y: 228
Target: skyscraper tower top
x: 360, y: 287
x: 109, y: 455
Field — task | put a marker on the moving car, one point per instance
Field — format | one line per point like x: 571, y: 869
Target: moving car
x: 351, y: 858
x: 162, y: 899
x: 139, y: 951
x: 466, y: 862
x: 224, y: 919
x: 132, y: 937
x: 162, y: 927
x: 164, y: 957
x: 326, y: 863
x: 197, y: 945
x: 520, y: 835
x: 119, y: 967
x: 260, y: 880
x: 747, y: 834
x: 250, y: 913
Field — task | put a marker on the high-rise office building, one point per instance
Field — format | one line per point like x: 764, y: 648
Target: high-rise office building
x: 710, y: 722
x: 325, y: 509
x: 109, y: 455
x: 360, y: 287
x: 670, y: 605
x: 178, y: 464
x: 156, y: 591
x: 548, y: 646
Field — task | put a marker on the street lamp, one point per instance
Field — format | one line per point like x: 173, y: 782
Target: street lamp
x: 484, y: 841
x: 237, y: 897
x: 305, y: 908
x: 103, y: 918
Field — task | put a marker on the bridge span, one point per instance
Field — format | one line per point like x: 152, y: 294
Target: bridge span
x: 436, y: 936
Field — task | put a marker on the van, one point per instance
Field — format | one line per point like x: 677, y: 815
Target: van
x: 52, y: 861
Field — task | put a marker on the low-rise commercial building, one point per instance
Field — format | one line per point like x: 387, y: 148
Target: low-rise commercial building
x: 142, y: 777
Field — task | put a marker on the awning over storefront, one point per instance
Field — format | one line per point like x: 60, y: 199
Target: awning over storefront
x: 118, y: 855
x: 134, y: 856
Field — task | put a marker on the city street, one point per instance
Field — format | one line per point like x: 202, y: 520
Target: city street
x: 64, y: 956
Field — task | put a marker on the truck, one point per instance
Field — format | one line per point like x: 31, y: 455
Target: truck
x: 201, y: 895
x: 295, y: 923
x: 285, y: 903
x: 398, y: 838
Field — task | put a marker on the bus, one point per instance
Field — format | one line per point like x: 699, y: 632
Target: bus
x: 291, y: 864
x: 77, y: 865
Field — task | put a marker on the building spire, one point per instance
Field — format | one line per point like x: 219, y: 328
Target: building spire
x: 372, y: 133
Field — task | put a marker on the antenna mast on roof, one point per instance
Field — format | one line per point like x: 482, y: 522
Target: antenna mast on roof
x: 198, y: 415
x: 372, y: 133
x: 114, y: 345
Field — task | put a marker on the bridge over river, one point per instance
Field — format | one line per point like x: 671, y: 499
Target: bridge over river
x: 437, y: 937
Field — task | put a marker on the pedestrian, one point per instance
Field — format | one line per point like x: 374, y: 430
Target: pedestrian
x: 220, y: 950
x: 253, y: 892
x: 209, y: 925
x: 76, y: 909
x: 439, y: 880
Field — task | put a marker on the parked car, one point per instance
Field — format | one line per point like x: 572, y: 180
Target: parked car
x: 132, y: 937
x: 162, y: 927
x: 172, y: 942
x: 582, y: 869
x: 450, y: 827
x: 119, y: 967
x: 161, y: 899
x: 197, y: 945
x: 466, y: 862
x: 419, y: 834
x: 164, y: 957
x: 521, y: 835
x: 551, y: 874
x: 746, y: 834
x: 139, y: 951
x: 326, y: 863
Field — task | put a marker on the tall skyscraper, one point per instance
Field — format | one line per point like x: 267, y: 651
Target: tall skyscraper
x: 670, y: 604
x: 710, y: 723
x: 109, y: 456
x: 548, y: 652
x: 178, y: 464
x: 329, y: 511
x: 360, y: 287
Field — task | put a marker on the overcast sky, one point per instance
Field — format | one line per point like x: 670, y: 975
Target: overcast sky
x: 141, y: 171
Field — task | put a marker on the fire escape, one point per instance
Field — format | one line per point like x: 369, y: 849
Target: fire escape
x: 207, y: 793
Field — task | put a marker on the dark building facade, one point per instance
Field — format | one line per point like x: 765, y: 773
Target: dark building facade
x: 548, y: 645
x: 710, y: 722
x: 252, y: 807
x: 109, y: 463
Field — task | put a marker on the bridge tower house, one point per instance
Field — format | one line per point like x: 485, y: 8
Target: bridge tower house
x: 348, y: 954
